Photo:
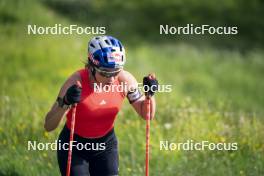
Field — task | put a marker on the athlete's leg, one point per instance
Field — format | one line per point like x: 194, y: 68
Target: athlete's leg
x: 79, y: 166
x: 105, y: 163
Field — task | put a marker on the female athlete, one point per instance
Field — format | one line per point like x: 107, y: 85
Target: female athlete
x: 95, y: 147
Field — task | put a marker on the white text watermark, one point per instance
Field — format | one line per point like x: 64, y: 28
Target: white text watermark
x: 59, y: 29
x: 99, y: 87
x: 58, y: 145
x: 191, y: 29
x: 190, y: 145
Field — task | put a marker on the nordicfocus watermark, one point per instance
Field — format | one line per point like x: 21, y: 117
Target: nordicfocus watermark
x: 190, y: 29
x: 190, y: 145
x: 59, y: 29
x: 123, y: 87
x: 58, y: 145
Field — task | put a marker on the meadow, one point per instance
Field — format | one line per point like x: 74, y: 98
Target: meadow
x: 217, y: 95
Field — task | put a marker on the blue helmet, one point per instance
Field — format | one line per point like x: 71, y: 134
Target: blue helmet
x: 106, y: 52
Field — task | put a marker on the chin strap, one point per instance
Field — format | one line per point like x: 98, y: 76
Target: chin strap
x: 92, y: 69
x: 93, y: 73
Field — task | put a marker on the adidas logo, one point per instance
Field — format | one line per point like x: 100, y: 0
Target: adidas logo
x: 102, y: 102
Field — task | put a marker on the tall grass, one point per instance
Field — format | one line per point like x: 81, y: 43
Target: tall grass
x: 217, y: 95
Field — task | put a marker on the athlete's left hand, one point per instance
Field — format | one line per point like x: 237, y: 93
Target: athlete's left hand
x: 150, y: 84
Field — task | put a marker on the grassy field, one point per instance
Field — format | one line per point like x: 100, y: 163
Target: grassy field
x: 217, y: 95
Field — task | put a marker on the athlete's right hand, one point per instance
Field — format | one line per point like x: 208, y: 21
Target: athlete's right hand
x: 73, y: 95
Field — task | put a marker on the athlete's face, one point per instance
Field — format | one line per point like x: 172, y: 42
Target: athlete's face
x: 106, y: 76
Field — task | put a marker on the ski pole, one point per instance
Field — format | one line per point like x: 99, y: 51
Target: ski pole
x: 71, y: 139
x: 71, y: 136
x: 147, y: 135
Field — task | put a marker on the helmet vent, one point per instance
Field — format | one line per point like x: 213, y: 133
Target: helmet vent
x: 92, y: 45
x: 120, y: 46
x: 106, y: 41
x: 113, y: 42
x: 100, y: 46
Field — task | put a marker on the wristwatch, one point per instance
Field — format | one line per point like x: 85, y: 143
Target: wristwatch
x: 62, y: 104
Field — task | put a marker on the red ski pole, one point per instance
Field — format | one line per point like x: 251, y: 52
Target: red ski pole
x: 71, y: 139
x: 147, y: 135
x: 71, y: 136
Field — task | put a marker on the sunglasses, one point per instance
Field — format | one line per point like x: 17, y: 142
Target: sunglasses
x: 107, y: 74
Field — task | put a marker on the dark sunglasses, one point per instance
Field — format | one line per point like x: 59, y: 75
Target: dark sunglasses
x: 107, y: 74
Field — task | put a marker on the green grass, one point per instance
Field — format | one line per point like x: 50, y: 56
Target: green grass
x: 217, y: 96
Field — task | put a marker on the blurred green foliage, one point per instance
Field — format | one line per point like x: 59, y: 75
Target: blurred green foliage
x: 217, y: 93
x: 139, y: 20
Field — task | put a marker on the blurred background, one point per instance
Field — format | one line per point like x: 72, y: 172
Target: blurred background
x: 217, y: 93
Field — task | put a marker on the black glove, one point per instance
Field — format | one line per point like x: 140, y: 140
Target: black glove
x: 73, y: 95
x: 150, y: 85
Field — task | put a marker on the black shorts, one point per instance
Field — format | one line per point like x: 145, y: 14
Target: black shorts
x: 94, y: 157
